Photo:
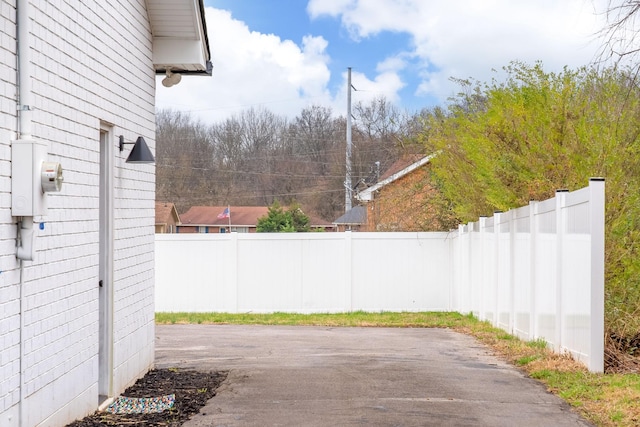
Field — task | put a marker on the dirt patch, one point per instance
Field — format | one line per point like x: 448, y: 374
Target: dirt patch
x: 192, y: 389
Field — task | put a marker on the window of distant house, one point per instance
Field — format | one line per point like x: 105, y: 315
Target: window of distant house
x: 203, y: 229
x: 223, y: 230
x: 240, y: 229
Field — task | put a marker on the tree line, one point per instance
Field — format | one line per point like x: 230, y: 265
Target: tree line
x: 257, y: 157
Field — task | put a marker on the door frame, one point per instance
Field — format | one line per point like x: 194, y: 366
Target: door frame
x: 105, y: 279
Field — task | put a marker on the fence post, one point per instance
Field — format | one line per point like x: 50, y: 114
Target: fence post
x: 560, y: 237
x: 458, y: 271
x: 471, y: 284
x: 596, y: 217
x: 511, y: 280
x: 533, y: 238
x: 497, y: 217
x: 453, y: 260
x: 481, y: 285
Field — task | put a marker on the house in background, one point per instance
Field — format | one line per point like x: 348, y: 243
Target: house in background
x: 353, y: 220
x: 77, y: 259
x: 401, y: 199
x: 167, y: 218
x: 320, y: 224
x: 221, y: 219
x: 240, y: 219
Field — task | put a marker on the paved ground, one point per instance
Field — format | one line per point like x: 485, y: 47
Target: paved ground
x: 320, y: 376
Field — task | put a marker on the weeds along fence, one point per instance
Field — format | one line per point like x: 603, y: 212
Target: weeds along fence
x: 536, y: 272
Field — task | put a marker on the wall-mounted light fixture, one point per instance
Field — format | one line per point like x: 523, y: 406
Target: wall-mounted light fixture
x: 140, y: 152
x: 171, y: 79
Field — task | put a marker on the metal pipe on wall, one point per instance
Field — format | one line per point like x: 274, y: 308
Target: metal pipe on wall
x: 24, y: 109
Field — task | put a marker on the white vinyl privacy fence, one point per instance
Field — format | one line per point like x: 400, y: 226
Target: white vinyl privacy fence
x: 303, y: 272
x: 536, y: 271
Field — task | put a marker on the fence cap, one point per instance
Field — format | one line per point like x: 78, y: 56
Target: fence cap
x: 596, y: 178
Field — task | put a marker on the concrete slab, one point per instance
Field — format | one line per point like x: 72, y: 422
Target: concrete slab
x: 321, y: 376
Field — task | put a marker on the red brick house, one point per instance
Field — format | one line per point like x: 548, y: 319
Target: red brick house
x: 401, y: 199
x: 213, y: 219
x: 241, y: 219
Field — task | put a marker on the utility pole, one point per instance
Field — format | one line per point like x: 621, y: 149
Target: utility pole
x: 347, y: 182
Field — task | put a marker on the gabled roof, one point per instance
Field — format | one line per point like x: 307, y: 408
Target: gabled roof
x: 180, y: 40
x: 354, y: 216
x: 392, y: 174
x: 241, y: 216
x: 164, y: 212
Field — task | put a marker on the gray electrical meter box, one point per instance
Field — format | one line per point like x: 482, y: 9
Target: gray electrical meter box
x: 32, y: 177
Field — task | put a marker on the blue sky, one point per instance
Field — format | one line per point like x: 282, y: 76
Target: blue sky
x: 284, y: 55
x: 290, y: 21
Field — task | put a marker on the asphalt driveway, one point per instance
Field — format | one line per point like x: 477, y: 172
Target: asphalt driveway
x: 323, y: 376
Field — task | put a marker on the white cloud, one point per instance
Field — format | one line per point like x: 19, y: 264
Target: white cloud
x: 468, y: 38
x: 465, y: 38
x: 251, y: 69
x: 332, y: 8
x: 392, y: 64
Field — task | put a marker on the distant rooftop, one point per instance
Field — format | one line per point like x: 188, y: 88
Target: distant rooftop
x: 355, y: 216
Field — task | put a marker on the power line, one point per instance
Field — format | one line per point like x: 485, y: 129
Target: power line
x: 251, y: 196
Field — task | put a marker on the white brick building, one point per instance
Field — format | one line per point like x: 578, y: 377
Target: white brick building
x: 75, y: 76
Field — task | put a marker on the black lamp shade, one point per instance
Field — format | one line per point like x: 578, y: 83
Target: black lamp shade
x: 140, y: 153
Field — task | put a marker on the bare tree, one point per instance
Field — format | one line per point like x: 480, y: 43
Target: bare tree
x: 317, y: 142
x: 620, y: 35
x: 184, y: 159
x: 381, y: 135
x: 257, y: 157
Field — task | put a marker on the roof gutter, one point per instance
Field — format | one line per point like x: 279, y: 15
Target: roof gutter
x: 207, y: 72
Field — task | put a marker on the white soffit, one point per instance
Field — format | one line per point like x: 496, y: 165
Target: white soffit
x: 179, y: 35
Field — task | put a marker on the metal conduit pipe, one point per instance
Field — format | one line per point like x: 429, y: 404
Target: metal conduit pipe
x: 25, y: 229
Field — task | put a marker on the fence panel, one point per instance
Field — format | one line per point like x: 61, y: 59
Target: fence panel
x: 521, y: 273
x: 504, y: 271
x: 401, y: 272
x: 303, y: 272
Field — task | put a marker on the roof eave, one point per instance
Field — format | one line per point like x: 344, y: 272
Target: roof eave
x: 366, y: 195
x: 185, y: 52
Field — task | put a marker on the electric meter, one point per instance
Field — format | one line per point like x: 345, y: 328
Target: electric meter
x: 51, y: 177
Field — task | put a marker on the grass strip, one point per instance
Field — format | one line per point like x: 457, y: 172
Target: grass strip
x: 604, y: 399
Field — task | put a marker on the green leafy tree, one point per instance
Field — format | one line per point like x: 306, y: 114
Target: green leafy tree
x: 278, y: 220
x: 503, y: 144
x: 299, y: 220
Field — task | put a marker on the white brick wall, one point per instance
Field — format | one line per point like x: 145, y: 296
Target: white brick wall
x: 91, y: 65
